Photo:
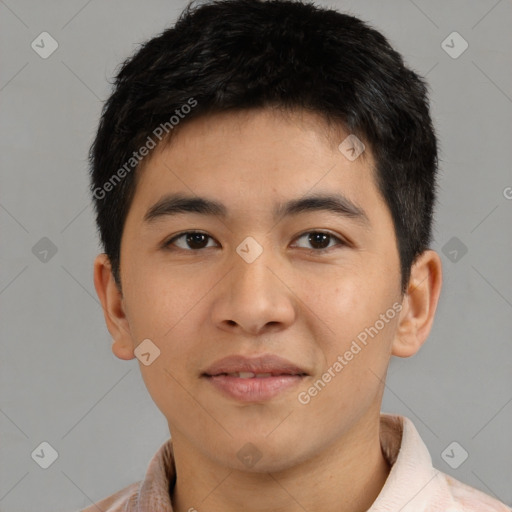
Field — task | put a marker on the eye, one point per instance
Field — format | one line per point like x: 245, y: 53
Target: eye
x: 190, y: 240
x: 197, y: 240
x: 320, y: 240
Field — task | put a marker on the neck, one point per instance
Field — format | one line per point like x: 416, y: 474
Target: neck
x: 347, y: 476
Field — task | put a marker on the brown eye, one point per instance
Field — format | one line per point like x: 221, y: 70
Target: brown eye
x: 319, y: 241
x: 190, y: 240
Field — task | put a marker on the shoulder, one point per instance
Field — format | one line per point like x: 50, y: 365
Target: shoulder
x: 416, y: 484
x: 469, y: 499
x: 117, y: 502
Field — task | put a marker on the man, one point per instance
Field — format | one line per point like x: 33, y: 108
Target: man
x: 264, y: 180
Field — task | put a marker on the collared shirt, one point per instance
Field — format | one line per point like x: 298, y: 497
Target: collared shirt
x: 413, y: 484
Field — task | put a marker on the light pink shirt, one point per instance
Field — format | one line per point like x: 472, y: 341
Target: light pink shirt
x: 413, y: 485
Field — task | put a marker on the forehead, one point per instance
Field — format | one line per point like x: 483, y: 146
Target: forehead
x: 270, y: 130
x: 255, y: 160
x: 283, y: 147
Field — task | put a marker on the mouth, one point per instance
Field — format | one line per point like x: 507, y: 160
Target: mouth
x: 253, y: 379
x: 254, y: 375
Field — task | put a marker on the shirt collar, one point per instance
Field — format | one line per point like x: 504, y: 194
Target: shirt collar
x: 413, y: 484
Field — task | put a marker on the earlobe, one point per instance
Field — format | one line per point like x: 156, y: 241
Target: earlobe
x: 112, y: 303
x: 419, y: 304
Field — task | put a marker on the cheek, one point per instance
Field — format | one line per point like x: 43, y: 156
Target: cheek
x: 362, y: 321
x: 159, y: 298
x: 372, y: 327
x: 340, y: 301
x: 352, y: 379
x: 163, y: 308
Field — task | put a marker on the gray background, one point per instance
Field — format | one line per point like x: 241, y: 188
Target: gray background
x: 59, y: 380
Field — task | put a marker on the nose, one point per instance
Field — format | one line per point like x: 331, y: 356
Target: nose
x: 254, y: 297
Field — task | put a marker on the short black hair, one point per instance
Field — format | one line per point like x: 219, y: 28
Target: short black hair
x: 235, y: 55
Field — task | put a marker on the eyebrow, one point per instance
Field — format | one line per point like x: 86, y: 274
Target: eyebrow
x: 174, y: 204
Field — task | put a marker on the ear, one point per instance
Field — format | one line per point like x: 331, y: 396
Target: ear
x: 112, y: 302
x: 419, y: 304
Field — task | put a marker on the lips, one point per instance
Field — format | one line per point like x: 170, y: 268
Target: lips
x: 251, y: 375
x: 259, y: 367
x: 255, y: 379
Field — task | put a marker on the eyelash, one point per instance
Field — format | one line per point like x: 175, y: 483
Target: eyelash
x: 167, y: 245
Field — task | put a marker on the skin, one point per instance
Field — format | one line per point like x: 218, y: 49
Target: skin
x: 200, y: 304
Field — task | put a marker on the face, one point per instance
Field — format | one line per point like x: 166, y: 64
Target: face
x: 268, y: 274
